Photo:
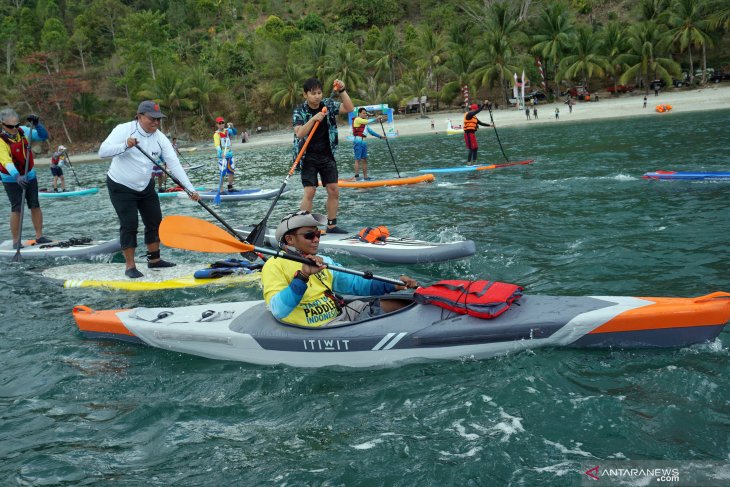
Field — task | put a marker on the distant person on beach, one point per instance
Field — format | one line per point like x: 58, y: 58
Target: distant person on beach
x: 433, y: 127
x: 644, y: 101
x: 527, y: 112
x: 534, y: 112
x: 471, y: 125
x: 319, y: 158
x: 570, y: 106
x: 557, y: 113
x: 57, y: 160
x: 223, y: 143
x: 174, y: 145
x: 360, y: 146
x: 244, y: 138
x: 15, y: 152
x: 130, y: 184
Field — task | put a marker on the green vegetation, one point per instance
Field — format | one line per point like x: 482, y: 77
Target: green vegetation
x: 84, y: 65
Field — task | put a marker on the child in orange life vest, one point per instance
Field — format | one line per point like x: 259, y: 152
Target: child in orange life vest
x: 222, y: 140
x: 360, y: 147
x: 471, y: 124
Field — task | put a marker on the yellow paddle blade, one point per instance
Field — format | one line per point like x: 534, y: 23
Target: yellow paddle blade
x: 189, y: 233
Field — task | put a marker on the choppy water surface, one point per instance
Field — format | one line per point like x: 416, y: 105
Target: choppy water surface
x: 580, y: 220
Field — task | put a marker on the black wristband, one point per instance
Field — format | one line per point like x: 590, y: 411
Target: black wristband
x: 342, y: 91
x: 300, y: 275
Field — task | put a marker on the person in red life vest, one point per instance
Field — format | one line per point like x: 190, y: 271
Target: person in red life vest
x: 57, y: 159
x: 471, y: 124
x: 223, y: 142
x: 360, y: 147
x: 15, y: 157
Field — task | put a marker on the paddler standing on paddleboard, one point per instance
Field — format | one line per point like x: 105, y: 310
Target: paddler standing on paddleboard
x: 360, y: 146
x: 130, y: 183
x: 319, y: 159
x: 471, y: 125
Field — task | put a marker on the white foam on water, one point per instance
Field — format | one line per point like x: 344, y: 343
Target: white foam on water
x: 368, y: 445
x: 568, y: 451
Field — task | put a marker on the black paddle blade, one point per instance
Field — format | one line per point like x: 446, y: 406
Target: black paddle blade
x: 256, y: 238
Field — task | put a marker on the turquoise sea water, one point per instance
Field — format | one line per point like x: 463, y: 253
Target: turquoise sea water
x: 578, y: 221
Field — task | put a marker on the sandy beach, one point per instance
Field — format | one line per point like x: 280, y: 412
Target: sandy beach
x: 712, y: 97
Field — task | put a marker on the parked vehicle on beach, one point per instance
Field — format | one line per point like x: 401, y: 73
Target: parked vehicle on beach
x: 620, y: 89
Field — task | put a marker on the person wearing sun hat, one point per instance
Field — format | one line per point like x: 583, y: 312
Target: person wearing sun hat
x: 223, y: 141
x: 57, y: 160
x: 471, y: 125
x: 304, y: 294
x: 130, y: 184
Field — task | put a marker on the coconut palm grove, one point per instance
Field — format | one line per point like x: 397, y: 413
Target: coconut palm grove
x: 84, y: 65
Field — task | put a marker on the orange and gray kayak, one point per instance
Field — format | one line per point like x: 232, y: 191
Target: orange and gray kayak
x: 247, y: 332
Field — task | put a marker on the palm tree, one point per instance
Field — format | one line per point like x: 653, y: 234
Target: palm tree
x: 646, y: 40
x: 414, y: 85
x: 720, y: 17
x: 171, y: 92
x: 656, y: 10
x: 431, y: 52
x: 201, y: 85
x: 345, y: 63
x: 587, y: 60
x: 288, y: 87
x: 555, y: 30
x: 387, y: 59
x: 460, y: 64
x: 501, y: 23
x: 614, y: 44
x: 689, y: 20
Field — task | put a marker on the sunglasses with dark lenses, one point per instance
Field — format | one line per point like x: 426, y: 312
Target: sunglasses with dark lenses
x: 220, y: 123
x: 11, y: 126
x: 311, y: 235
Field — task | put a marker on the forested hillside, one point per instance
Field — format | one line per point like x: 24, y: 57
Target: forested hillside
x: 84, y: 65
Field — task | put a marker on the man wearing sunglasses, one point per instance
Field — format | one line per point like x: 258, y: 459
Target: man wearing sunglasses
x: 304, y: 295
x: 15, y: 152
x: 130, y: 183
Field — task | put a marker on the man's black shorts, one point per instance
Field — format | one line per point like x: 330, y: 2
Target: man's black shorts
x: 326, y: 167
x: 15, y: 195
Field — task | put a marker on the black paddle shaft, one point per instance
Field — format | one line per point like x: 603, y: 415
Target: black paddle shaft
x: 389, y: 149
x: 68, y: 160
x: 489, y: 107
x: 201, y: 202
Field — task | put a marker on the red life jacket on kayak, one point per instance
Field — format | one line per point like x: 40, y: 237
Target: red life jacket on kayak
x: 483, y: 299
x: 18, y: 149
x: 358, y: 131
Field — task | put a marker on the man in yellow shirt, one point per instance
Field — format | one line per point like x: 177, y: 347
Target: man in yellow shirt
x: 304, y: 294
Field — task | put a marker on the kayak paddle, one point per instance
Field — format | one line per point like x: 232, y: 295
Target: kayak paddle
x: 489, y: 107
x: 258, y: 234
x: 385, y: 136
x: 217, y: 199
x: 190, y: 233
x: 17, y: 257
x: 189, y: 193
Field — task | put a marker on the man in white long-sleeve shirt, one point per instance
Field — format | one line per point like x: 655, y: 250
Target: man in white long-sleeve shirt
x: 131, y: 188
